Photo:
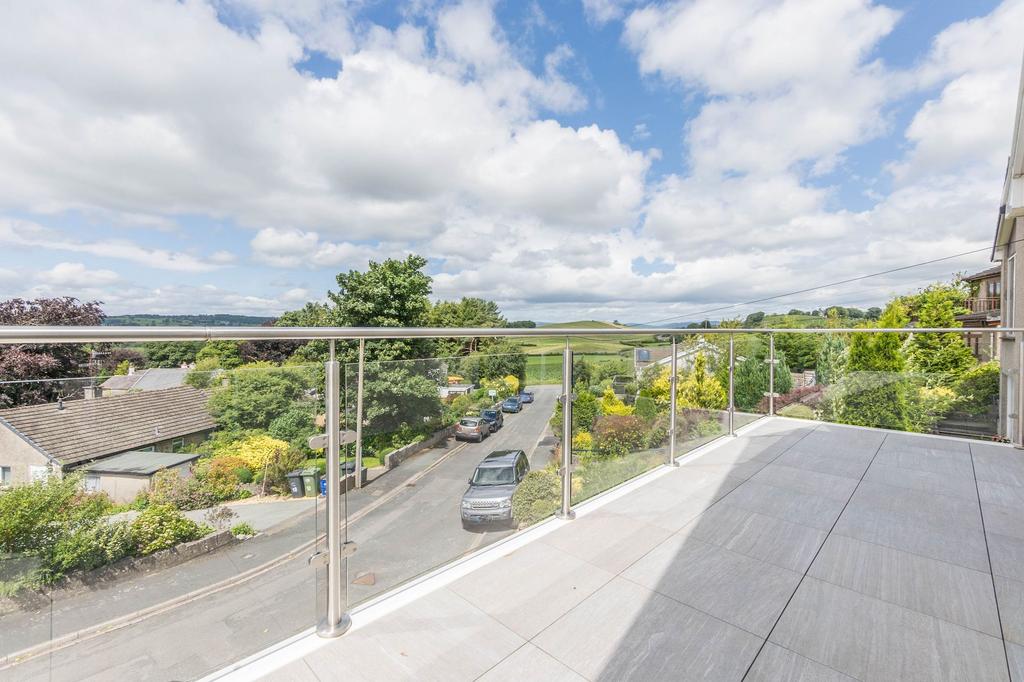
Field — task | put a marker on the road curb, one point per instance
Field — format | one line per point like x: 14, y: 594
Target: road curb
x: 10, y: 660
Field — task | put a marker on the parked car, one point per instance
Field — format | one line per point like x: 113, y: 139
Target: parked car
x: 512, y: 404
x: 489, y: 496
x: 472, y: 428
x: 526, y: 397
x: 493, y: 417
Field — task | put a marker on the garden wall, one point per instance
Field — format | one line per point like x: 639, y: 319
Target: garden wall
x: 396, y: 457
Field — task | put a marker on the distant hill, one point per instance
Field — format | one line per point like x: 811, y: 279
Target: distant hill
x: 218, y: 320
x: 581, y: 324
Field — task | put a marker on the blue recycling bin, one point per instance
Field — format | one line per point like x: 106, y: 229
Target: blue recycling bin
x: 323, y: 486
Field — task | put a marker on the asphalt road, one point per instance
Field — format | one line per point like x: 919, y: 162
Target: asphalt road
x: 401, y: 532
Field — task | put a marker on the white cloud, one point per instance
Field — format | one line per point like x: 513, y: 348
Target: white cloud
x: 25, y: 234
x: 76, y: 276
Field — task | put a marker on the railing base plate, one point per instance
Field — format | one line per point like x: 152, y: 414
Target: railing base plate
x: 330, y: 631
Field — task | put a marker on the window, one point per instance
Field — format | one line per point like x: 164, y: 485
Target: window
x: 38, y: 473
x: 92, y: 483
x: 177, y: 445
x: 5, y: 475
x: 151, y: 448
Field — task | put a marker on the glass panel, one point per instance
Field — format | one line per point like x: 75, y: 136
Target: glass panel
x: 187, y: 556
x: 620, y: 424
x: 943, y: 383
x: 427, y: 426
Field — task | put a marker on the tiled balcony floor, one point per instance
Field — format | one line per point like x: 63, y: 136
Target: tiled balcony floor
x: 797, y: 551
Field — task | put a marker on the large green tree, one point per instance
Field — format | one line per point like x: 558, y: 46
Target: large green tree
x: 875, y: 391
x: 942, y: 358
x: 393, y: 293
x: 467, y: 312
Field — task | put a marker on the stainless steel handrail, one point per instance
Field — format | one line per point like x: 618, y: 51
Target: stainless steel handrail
x: 50, y: 334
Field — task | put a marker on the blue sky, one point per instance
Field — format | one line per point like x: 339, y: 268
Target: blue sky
x: 570, y: 159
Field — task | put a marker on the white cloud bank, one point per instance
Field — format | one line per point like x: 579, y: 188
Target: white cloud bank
x: 435, y: 137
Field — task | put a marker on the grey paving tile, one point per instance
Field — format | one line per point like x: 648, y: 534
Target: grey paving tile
x: 982, y: 448
x: 531, y: 588
x: 697, y: 485
x: 954, y: 593
x: 1003, y: 520
x: 1015, y: 660
x: 915, y: 506
x: 530, y: 663
x: 608, y: 541
x: 777, y: 542
x: 739, y: 470
x: 826, y: 463
x: 625, y: 631
x: 870, y: 639
x: 953, y: 543
x: 1007, y: 555
x: 805, y: 481
x: 1005, y: 468
x: 914, y: 440
x: 924, y: 481
x: 664, y: 507
x: 809, y: 510
x: 735, y: 588
x: 297, y: 671
x: 1011, y: 608
x: 935, y: 461
x: 1002, y: 494
x: 775, y: 664
x: 438, y: 637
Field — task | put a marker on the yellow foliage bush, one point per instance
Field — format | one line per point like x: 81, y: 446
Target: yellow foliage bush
x: 255, y: 451
x: 612, y: 405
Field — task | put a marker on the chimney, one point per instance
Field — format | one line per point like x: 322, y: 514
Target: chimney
x: 92, y: 392
x: 60, y: 403
x: 131, y: 370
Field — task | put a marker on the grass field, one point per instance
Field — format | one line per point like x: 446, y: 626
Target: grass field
x: 547, y: 369
x: 585, y: 345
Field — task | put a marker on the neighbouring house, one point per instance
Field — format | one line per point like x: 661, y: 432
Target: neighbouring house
x: 452, y: 390
x: 983, y: 305
x: 662, y: 356
x: 124, y: 476
x: 153, y: 379
x: 1008, y: 249
x: 39, y: 440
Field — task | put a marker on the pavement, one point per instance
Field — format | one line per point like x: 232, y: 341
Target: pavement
x: 405, y: 523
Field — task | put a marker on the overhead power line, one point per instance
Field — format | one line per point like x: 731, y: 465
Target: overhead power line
x: 699, y: 313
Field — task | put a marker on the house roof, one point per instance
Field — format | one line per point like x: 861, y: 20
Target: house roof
x: 152, y: 379
x: 988, y: 273
x: 140, y: 462
x: 88, y: 429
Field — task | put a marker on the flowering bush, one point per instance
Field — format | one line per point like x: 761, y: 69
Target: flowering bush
x: 163, y: 527
x: 610, y: 404
x: 618, y: 435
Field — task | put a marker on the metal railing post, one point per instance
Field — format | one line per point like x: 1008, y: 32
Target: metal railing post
x: 337, y: 621
x: 672, y: 405
x: 771, y: 375
x: 359, y: 415
x: 566, y: 511
x: 732, y: 386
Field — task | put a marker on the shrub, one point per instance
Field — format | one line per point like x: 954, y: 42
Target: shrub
x: 295, y: 425
x: 220, y: 517
x: 162, y: 527
x: 254, y: 451
x: 978, y: 389
x: 618, y: 435
x: 170, y: 489
x: 927, y: 406
x: 536, y: 498
x: 243, y: 530
x: 89, y: 547
x: 243, y: 474
x: 797, y: 411
x: 600, y: 475
x: 610, y: 404
x: 646, y: 407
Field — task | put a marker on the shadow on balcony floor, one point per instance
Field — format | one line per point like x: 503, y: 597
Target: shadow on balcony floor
x: 797, y: 551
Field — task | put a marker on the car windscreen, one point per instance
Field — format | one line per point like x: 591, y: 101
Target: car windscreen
x: 490, y: 413
x: 468, y: 422
x: 493, y: 476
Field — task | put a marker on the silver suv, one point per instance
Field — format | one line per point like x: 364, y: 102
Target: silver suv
x: 489, y: 496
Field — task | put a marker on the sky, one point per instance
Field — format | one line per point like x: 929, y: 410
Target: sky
x: 569, y: 159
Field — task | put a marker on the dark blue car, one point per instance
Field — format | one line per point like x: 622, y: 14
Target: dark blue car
x: 512, y: 404
x: 526, y: 397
